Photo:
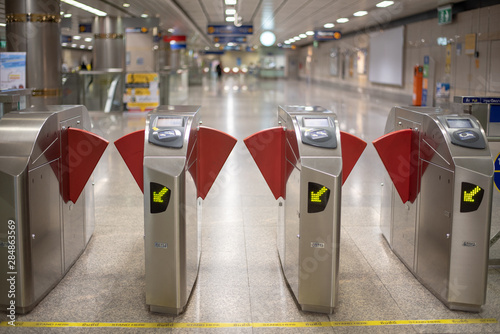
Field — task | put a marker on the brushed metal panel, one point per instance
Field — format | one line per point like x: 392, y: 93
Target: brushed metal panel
x: 45, y: 228
x: 190, y: 234
x: 292, y: 231
x: 435, y: 228
x: 469, y: 262
x: 318, y: 273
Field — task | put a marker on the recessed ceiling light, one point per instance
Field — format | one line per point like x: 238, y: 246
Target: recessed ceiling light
x: 73, y: 45
x: 88, y: 39
x: 77, y: 37
x: 309, y: 33
x: 329, y: 25
x: 360, y: 13
x: 82, y: 46
x: 64, y: 44
x: 343, y: 20
x: 230, y: 2
x: 171, y: 30
x: 144, y: 15
x: 297, y: 38
x: 230, y: 11
x: 302, y: 35
x: 287, y: 42
x: 216, y: 45
x: 385, y: 4
x: 67, y: 15
x: 126, y: 5
x: 229, y: 18
x: 90, y: 47
x: 85, y: 7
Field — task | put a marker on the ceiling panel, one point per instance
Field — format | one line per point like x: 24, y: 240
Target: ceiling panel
x: 287, y: 18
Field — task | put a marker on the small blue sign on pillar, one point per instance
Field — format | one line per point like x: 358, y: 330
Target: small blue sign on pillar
x: 496, y: 175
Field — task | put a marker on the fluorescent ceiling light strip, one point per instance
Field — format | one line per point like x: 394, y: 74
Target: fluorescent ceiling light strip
x: 385, y: 4
x: 85, y: 7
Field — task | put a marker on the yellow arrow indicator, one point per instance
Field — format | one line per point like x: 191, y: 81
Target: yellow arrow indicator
x: 157, y: 197
x: 469, y: 196
x: 315, y: 197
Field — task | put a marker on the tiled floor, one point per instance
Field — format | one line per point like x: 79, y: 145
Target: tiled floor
x: 240, y: 278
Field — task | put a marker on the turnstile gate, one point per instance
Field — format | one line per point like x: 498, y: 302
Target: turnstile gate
x: 305, y: 162
x: 47, y: 156
x: 487, y: 112
x: 436, y: 216
x: 175, y: 162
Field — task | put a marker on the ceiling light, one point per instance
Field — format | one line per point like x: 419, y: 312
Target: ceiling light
x: 229, y: 18
x: 287, y: 42
x: 67, y: 15
x: 216, y: 45
x: 267, y: 38
x: 329, y: 25
x: 385, y: 4
x: 296, y: 38
x: 61, y: 13
x: 343, y: 20
x: 126, y: 5
x: 230, y: 2
x: 171, y: 30
x: 88, y: 39
x: 309, y: 33
x: 82, y: 46
x: 360, y: 13
x: 64, y: 44
x: 230, y: 11
x: 144, y: 15
x: 207, y: 48
x: 302, y: 35
x: 73, y: 45
x: 230, y: 44
x: 77, y: 37
x: 85, y: 7
x: 90, y: 47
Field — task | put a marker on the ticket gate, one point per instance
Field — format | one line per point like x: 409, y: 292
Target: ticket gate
x: 436, y: 215
x: 487, y: 112
x: 175, y: 162
x: 305, y: 161
x: 47, y: 156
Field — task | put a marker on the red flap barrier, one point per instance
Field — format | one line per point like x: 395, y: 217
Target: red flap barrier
x: 267, y: 148
x: 395, y: 151
x: 131, y: 148
x: 213, y: 149
x: 83, y: 151
x: 352, y: 147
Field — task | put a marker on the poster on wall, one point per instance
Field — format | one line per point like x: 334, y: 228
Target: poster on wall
x: 12, y: 70
x: 141, y: 92
x: 334, y: 62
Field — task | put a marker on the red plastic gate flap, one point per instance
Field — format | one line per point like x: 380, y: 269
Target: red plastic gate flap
x: 267, y: 148
x: 80, y: 157
x: 213, y: 149
x: 352, y: 147
x: 395, y: 150
x: 131, y: 148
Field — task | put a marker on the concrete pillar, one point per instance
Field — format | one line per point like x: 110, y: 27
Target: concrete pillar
x: 109, y: 43
x: 33, y: 27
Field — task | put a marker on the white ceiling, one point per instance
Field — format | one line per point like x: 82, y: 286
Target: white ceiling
x: 286, y: 18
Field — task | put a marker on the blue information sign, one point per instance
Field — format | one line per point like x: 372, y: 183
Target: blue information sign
x: 230, y: 39
x: 496, y: 175
x: 327, y: 35
x: 478, y: 99
x: 229, y: 29
x: 85, y: 27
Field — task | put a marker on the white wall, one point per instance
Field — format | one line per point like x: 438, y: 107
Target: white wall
x: 469, y: 75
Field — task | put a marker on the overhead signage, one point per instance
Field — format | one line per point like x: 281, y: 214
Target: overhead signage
x: 230, y: 39
x: 176, y: 42
x: 85, y: 27
x: 229, y: 29
x: 218, y: 52
x: 66, y: 39
x: 478, y: 99
x: 444, y: 15
x: 320, y: 35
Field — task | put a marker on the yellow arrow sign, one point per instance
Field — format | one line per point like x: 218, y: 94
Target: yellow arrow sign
x: 316, y: 196
x: 469, y: 196
x: 157, y: 197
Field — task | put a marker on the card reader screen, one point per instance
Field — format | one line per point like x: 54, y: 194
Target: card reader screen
x: 162, y: 122
x: 314, y: 122
x: 459, y: 123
